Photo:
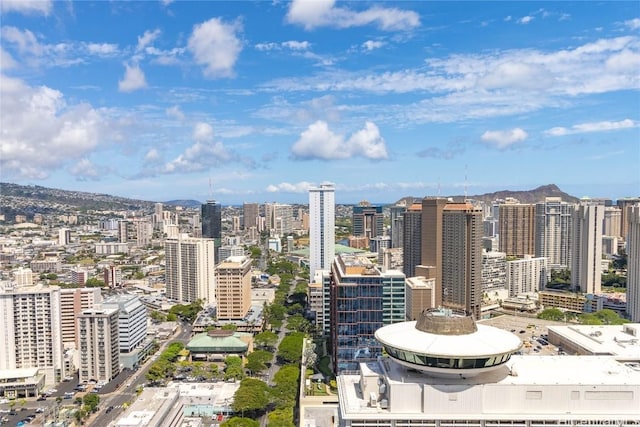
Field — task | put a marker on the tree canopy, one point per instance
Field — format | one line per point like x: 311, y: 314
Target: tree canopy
x: 252, y: 396
x: 290, y: 348
x: 266, y: 339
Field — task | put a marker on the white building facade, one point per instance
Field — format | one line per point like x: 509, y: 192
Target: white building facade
x: 553, y: 225
x: 526, y: 275
x: 321, y: 228
x: 132, y: 320
x: 99, y: 342
x: 190, y: 269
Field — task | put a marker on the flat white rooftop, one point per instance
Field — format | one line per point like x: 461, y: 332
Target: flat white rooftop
x: 603, y: 339
x: 525, y: 388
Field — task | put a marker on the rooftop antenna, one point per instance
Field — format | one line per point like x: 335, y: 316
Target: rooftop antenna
x: 210, y: 189
x: 465, y: 182
x: 438, y: 187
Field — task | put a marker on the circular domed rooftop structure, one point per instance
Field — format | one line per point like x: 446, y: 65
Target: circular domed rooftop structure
x: 446, y: 343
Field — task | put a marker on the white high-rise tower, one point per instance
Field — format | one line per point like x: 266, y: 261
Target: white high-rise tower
x: 321, y: 227
x: 586, y: 254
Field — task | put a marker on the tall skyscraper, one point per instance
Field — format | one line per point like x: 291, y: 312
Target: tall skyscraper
x: 144, y: 232
x: 586, y: 254
x: 362, y: 299
x: 516, y: 229
x: 99, y: 345
x: 211, y: 217
x: 368, y: 220
x: 250, y: 213
x: 158, y: 217
x: 432, y: 241
x: 31, y: 332
x: 190, y: 269
x: 233, y: 288
x: 321, y: 228
x: 412, y: 239
x: 612, y: 222
x: 553, y: 232
x: 123, y: 231
x: 625, y: 204
x: 64, y: 237
x: 462, y: 257
x: 279, y: 218
x: 397, y: 220
x: 633, y: 262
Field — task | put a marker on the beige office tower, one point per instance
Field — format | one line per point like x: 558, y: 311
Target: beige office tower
x: 462, y: 257
x: 98, y: 338
x: 190, y: 269
x: 625, y: 205
x: 30, y: 334
x: 612, y: 225
x: 250, y: 213
x: 420, y: 294
x: 432, y: 242
x: 586, y: 253
x: 516, y: 229
x: 72, y: 302
x: 233, y: 288
x: 633, y: 262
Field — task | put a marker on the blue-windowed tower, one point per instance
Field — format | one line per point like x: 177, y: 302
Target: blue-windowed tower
x: 362, y: 300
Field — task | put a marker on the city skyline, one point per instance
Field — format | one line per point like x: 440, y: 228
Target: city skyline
x: 240, y: 101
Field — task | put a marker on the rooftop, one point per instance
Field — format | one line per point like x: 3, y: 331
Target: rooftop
x: 619, y: 340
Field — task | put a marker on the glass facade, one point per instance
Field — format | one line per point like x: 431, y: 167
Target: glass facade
x: 446, y: 362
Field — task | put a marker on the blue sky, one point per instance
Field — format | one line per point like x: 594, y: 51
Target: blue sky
x: 259, y: 100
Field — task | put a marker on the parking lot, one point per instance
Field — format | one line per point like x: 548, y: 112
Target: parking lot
x: 528, y: 329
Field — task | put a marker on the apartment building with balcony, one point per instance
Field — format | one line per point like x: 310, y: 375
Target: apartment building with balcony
x: 99, y: 344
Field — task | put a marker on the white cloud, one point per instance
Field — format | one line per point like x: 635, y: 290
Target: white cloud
x: 26, y: 41
x: 203, y: 154
x: 503, y: 138
x: 319, y: 142
x: 133, y: 79
x: 41, y: 132
x: 286, y: 187
x: 102, y: 49
x: 525, y: 19
x: 215, y: 45
x: 6, y: 60
x: 372, y: 44
x: 84, y: 169
x: 296, y: 45
x: 175, y: 112
x: 27, y: 6
x: 320, y: 13
x: 267, y: 46
x: 146, y: 39
x: 490, y: 84
x: 152, y: 156
x: 603, y: 126
x: 634, y: 23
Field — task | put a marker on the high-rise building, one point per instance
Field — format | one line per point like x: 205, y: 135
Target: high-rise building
x: 233, y: 288
x: 72, y: 302
x: 99, y: 344
x: 158, y: 217
x: 527, y: 275
x: 553, y: 228
x: 190, y: 269
x: 23, y: 277
x: 612, y: 222
x: 412, y: 239
x: 123, y: 231
x: 420, y: 295
x: 64, y: 237
x: 321, y: 228
x: 367, y: 220
x: 250, y: 213
x: 397, y: 228
x: 362, y: 299
x: 144, y: 232
x: 586, y: 254
x: 211, y: 217
x: 624, y: 205
x: 30, y: 330
x: 516, y: 229
x: 79, y: 275
x: 462, y: 257
x: 432, y: 241
x: 494, y: 271
x: 112, y: 276
x: 633, y: 262
x: 132, y: 320
x: 279, y: 218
